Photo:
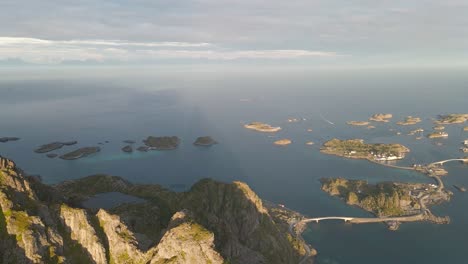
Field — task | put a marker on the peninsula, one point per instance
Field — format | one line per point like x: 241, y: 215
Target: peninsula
x: 357, y: 123
x: 48, y: 224
x: 205, y: 141
x: 409, y: 120
x: 452, y: 119
x: 262, y: 127
x: 80, y: 153
x: 357, y: 149
x: 381, y: 117
x: 162, y: 143
x: 53, y: 146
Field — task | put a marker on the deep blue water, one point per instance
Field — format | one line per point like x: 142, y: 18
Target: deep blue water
x: 98, y: 105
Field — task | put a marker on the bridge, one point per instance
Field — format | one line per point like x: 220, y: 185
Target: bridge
x: 364, y: 220
x: 318, y: 219
x: 448, y: 160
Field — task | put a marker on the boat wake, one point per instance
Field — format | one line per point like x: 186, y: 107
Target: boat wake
x: 326, y: 120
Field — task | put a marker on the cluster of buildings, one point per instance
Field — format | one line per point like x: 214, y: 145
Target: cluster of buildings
x: 386, y: 156
x: 465, y: 146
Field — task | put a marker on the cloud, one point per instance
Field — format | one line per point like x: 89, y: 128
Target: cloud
x: 36, y: 41
x: 36, y: 50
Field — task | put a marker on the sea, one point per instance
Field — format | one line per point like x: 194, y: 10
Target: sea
x: 103, y: 106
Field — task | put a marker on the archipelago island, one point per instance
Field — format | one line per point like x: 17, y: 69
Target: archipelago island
x: 262, y: 127
x: 452, y: 119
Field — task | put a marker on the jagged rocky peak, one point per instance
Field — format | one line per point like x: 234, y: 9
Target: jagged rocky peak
x: 212, y: 223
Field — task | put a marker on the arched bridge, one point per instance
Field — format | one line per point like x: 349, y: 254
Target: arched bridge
x: 448, y: 160
x: 318, y: 219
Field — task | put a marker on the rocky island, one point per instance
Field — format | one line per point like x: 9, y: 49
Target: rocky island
x: 465, y: 128
x: 162, y: 143
x: 438, y: 134
x: 409, y: 120
x: 127, y: 149
x: 205, y: 141
x: 262, y: 127
x: 80, y: 153
x: 357, y: 123
x: 439, y: 128
x: 452, y: 119
x: 47, y: 224
x: 357, y: 149
x: 53, y: 146
x: 381, y: 117
x: 282, y: 142
x: 6, y: 139
x: 51, y: 155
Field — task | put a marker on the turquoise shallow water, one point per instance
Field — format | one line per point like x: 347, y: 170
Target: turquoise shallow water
x: 113, y: 105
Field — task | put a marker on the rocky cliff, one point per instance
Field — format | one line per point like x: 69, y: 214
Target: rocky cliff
x: 211, y: 223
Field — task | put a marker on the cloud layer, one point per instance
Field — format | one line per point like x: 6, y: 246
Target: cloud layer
x: 34, y: 50
x: 389, y: 31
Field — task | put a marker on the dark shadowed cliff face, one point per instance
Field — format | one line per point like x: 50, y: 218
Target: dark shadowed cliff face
x: 212, y: 223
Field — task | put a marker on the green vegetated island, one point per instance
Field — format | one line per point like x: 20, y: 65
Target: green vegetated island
x: 54, y: 146
x: 358, y: 149
x: 205, y: 141
x: 390, y: 199
x: 213, y: 222
x: 7, y: 139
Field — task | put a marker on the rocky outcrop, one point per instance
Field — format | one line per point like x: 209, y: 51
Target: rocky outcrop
x: 186, y: 242
x: 78, y: 225
x: 212, y: 223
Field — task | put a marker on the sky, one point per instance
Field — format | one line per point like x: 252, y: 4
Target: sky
x: 320, y: 32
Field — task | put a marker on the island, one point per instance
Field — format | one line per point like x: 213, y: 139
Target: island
x: 162, y: 143
x: 127, y: 149
x: 262, y: 127
x: 438, y: 134
x: 439, y: 128
x: 357, y: 149
x: 402, y: 201
x: 282, y: 142
x: 6, y: 139
x: 205, y: 141
x: 381, y: 117
x: 52, y: 155
x: 53, y: 146
x: 80, y: 153
x: 465, y: 128
x: 370, y: 127
x: 357, y: 123
x: 143, y: 148
x: 409, y: 120
x: 452, y: 119
x: 310, y: 143
x: 416, y: 131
